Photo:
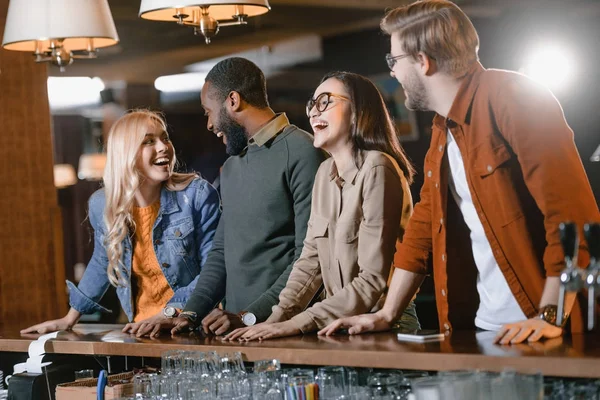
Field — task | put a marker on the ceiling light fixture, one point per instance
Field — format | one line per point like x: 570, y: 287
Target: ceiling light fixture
x: 59, y: 31
x: 206, y: 16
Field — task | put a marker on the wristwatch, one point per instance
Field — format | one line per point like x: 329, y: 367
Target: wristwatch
x: 171, y: 312
x: 190, y: 316
x: 248, y: 318
x: 549, y: 313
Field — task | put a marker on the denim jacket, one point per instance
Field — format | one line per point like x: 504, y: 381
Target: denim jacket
x: 182, y: 235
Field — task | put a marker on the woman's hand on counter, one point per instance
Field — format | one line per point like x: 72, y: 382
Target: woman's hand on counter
x: 62, y: 324
x: 264, y: 331
x: 358, y: 324
x: 532, y: 330
x: 150, y: 327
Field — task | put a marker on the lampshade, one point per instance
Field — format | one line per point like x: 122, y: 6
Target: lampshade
x: 91, y: 166
x: 32, y: 24
x: 164, y: 10
x: 64, y: 175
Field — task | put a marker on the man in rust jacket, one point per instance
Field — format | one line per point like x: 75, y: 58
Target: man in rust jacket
x: 501, y: 173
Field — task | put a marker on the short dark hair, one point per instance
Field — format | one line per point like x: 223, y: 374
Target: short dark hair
x: 372, y: 126
x: 239, y: 75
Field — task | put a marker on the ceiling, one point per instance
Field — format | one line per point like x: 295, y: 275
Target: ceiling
x: 149, y: 49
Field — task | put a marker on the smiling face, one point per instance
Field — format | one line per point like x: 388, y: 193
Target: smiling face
x: 155, y: 158
x: 332, y: 126
x: 405, y: 71
x: 234, y: 135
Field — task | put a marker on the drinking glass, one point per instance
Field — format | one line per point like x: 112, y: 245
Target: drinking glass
x: 332, y: 382
x: 386, y: 385
x: 142, y: 386
x: 431, y: 388
x: 266, y: 366
x: 172, y: 362
x: 581, y: 391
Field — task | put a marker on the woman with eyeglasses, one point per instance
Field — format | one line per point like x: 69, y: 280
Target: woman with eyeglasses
x: 361, y: 203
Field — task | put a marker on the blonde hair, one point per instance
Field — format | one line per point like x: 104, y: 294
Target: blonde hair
x: 438, y: 28
x: 121, y: 181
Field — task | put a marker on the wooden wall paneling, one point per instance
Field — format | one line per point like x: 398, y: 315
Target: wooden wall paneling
x: 31, y: 273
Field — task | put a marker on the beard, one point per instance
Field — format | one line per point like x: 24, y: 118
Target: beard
x: 235, y: 134
x: 417, y: 98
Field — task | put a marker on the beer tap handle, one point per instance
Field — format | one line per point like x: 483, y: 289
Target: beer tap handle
x: 592, y: 237
x: 591, y: 232
x: 570, y: 242
x: 561, y: 304
x: 591, y: 307
x: 568, y: 279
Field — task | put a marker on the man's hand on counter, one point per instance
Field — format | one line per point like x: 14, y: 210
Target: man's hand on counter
x: 150, y: 327
x: 532, y: 330
x: 219, y: 322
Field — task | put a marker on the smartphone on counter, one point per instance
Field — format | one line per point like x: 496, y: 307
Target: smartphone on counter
x: 421, y: 336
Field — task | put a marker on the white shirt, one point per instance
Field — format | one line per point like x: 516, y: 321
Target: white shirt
x: 498, y: 305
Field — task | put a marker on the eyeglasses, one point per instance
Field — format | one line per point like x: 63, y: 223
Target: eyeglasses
x: 322, y: 102
x: 391, y: 60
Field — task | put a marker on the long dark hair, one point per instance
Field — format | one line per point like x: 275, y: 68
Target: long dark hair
x: 372, y: 127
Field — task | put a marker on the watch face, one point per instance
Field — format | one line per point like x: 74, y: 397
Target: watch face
x: 550, y: 313
x: 249, y: 319
x: 169, y: 312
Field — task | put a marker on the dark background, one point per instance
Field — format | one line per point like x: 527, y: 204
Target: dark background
x: 506, y: 40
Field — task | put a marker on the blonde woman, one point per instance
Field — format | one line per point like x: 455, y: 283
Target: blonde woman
x: 153, y: 228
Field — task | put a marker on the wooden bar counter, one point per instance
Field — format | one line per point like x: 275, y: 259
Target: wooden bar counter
x: 576, y: 356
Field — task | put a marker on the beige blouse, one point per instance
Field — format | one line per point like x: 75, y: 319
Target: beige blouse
x: 357, y: 216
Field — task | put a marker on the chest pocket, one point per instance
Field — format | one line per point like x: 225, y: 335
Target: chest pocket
x: 347, y: 231
x: 493, y: 167
x: 180, y: 236
x: 487, y: 161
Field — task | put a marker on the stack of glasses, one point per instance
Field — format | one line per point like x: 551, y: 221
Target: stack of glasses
x: 191, y: 375
x: 476, y: 385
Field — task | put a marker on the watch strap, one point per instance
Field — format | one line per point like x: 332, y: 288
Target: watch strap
x: 190, y: 316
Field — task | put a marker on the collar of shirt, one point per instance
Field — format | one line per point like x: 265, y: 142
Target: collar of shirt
x: 460, y: 111
x: 269, y: 130
x: 347, y: 175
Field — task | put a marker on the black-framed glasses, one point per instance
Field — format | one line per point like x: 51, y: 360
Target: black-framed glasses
x: 392, y: 60
x: 322, y: 102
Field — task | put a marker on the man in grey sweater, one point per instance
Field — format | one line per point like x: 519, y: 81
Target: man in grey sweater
x: 266, y: 188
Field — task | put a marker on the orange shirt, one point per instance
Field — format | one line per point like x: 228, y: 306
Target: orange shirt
x: 525, y: 177
x: 151, y: 289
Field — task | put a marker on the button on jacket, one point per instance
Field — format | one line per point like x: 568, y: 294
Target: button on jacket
x: 525, y: 177
x: 357, y: 216
x: 182, y: 236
